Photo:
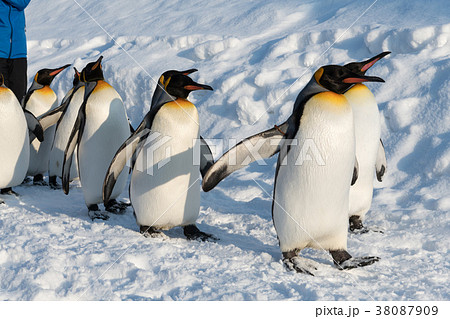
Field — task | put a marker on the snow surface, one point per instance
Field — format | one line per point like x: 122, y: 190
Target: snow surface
x: 257, y: 55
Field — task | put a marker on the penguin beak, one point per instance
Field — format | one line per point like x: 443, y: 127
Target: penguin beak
x: 58, y: 70
x: 98, y: 63
x: 361, y: 78
x: 187, y: 72
x: 196, y: 86
x: 369, y: 63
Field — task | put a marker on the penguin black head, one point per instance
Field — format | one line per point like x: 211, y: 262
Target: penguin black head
x: 92, y: 71
x: 180, y: 85
x: 76, y: 77
x: 339, y: 79
x: 361, y: 67
x: 46, y: 76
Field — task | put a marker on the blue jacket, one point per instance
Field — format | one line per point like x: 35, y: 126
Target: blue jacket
x: 13, y: 43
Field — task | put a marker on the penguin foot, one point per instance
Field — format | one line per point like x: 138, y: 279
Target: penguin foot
x: 1, y: 202
x: 94, y: 213
x: 343, y: 260
x: 26, y: 180
x: 300, y: 265
x: 356, y: 262
x: 193, y: 233
x: 116, y: 207
x: 53, y: 183
x: 152, y: 232
x: 8, y: 191
x: 356, y: 225
x: 39, y: 180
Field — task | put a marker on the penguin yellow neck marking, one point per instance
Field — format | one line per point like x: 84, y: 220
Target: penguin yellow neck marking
x: 102, y: 85
x: 330, y: 101
x: 46, y: 90
x: 180, y: 104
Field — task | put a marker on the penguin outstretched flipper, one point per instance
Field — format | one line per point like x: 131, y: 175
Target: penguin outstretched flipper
x: 381, y: 163
x: 206, y: 157
x: 264, y: 145
x: 123, y: 154
x: 34, y: 127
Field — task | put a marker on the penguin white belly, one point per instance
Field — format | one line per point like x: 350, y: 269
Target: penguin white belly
x: 106, y: 128
x: 62, y: 135
x: 165, y: 189
x: 14, y: 140
x: 311, y: 193
x: 40, y: 102
x: 367, y: 136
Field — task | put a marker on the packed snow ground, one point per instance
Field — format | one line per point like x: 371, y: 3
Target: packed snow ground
x: 257, y: 55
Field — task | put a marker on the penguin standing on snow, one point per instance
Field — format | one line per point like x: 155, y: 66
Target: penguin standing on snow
x: 369, y: 147
x: 14, y: 140
x: 39, y: 99
x: 100, y: 128
x: 310, y: 201
x: 164, y: 189
x: 64, y: 117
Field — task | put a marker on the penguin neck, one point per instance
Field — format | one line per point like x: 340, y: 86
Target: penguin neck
x: 311, y: 89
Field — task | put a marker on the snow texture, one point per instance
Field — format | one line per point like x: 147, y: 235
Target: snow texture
x: 257, y: 55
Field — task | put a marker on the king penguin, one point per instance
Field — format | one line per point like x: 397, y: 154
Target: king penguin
x: 164, y: 188
x: 310, y: 198
x: 100, y: 128
x: 369, y: 147
x: 65, y: 116
x: 14, y: 139
x: 39, y: 99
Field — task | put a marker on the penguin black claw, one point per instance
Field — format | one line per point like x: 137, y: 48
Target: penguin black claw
x: 116, y: 207
x: 94, y: 213
x: 357, y: 262
x: 39, y: 180
x: 151, y: 232
x: 355, y: 224
x: 300, y: 265
x: 8, y: 191
x: 53, y: 183
x: 193, y: 233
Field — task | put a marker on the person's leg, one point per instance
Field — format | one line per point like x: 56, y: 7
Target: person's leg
x: 4, y: 70
x: 18, y: 77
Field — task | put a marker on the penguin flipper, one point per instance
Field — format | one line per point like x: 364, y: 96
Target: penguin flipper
x: 381, y: 163
x: 35, y: 129
x: 123, y: 154
x: 52, y: 117
x: 74, y: 139
x: 206, y: 157
x: 355, y: 172
x: 264, y: 145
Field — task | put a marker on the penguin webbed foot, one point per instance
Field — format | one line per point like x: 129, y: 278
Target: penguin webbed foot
x: 53, y: 183
x: 151, y: 232
x: 343, y: 260
x: 38, y: 180
x: 299, y: 264
x: 357, y: 262
x: 26, y: 180
x: 116, y: 207
x: 1, y: 202
x: 356, y: 226
x: 95, y: 213
x: 8, y: 191
x: 193, y: 233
